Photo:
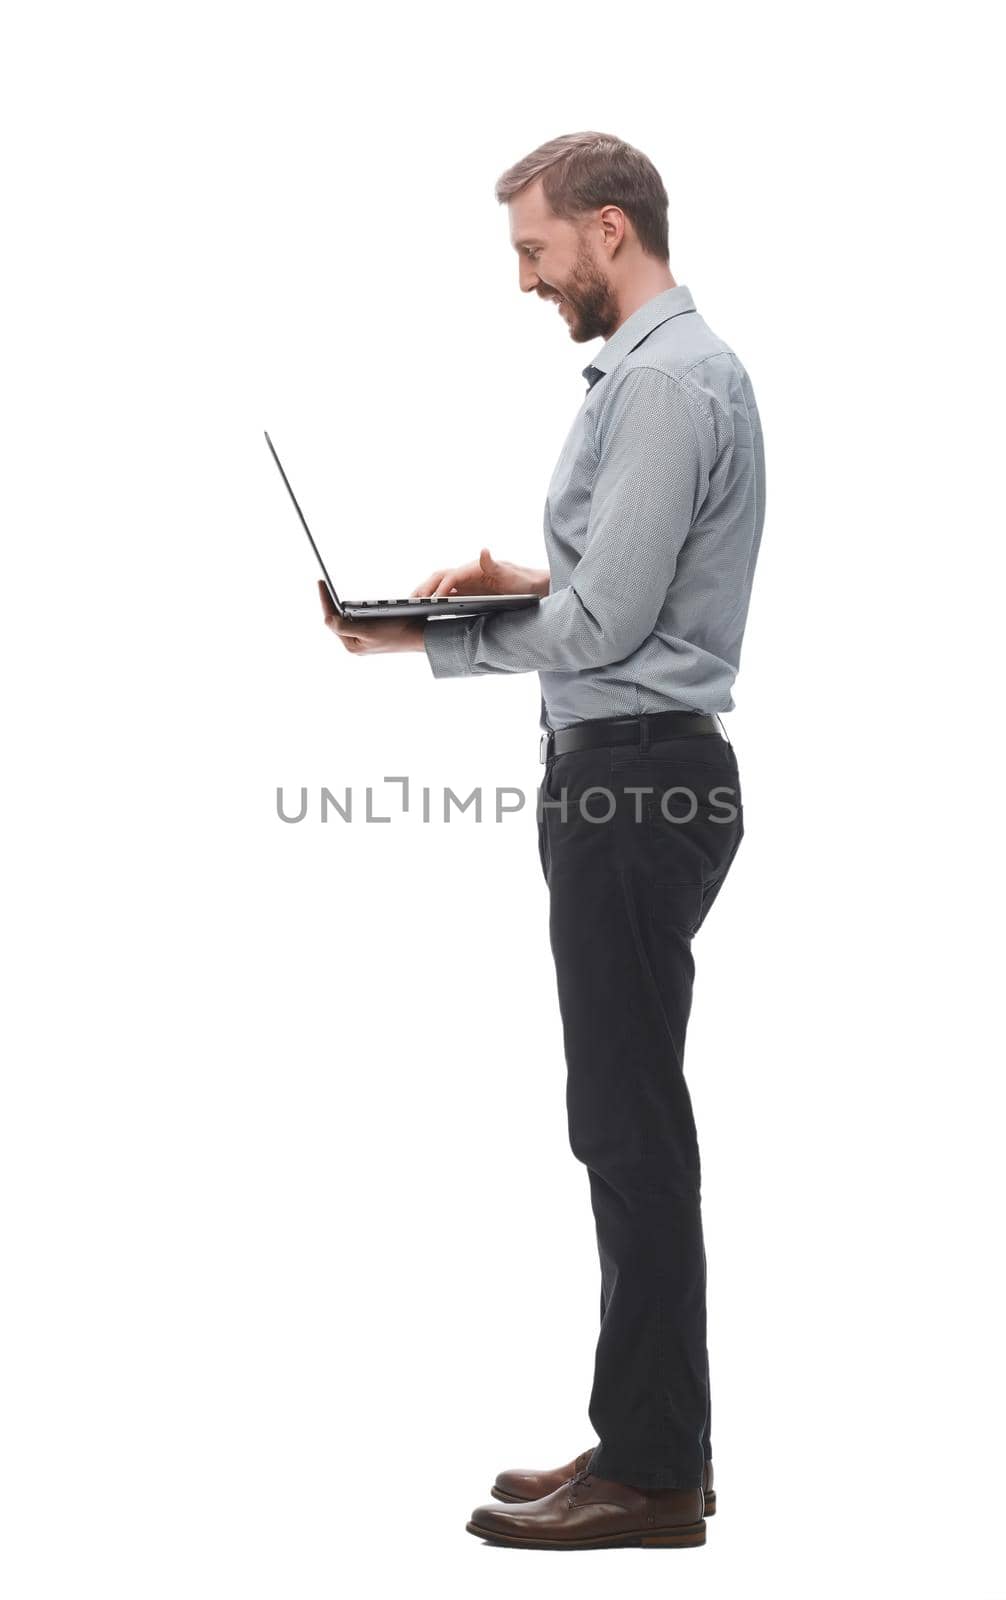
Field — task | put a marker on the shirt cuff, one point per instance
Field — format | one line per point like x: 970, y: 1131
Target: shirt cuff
x: 444, y: 642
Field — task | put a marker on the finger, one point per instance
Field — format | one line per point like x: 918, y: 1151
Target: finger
x: 327, y: 607
x: 348, y: 637
x: 448, y: 583
x: 422, y: 590
x: 342, y: 626
x: 360, y: 631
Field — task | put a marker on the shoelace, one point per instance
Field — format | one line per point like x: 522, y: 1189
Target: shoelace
x: 580, y: 1474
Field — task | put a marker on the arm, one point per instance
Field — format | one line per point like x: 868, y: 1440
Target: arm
x: 655, y: 452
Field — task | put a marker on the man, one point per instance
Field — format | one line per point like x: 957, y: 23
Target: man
x: 652, y: 527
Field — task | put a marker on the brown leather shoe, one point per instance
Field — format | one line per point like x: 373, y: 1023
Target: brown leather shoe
x: 527, y: 1484
x: 589, y: 1513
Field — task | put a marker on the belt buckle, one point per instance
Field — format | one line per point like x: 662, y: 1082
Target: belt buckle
x: 543, y: 748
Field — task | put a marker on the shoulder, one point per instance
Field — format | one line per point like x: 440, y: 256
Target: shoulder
x: 687, y: 359
x: 646, y: 382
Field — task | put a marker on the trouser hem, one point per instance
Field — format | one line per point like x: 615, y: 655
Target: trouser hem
x: 641, y: 1478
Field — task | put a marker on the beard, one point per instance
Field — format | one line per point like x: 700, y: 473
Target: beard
x: 591, y: 301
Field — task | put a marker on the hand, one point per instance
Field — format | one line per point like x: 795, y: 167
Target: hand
x: 484, y: 576
x: 367, y: 638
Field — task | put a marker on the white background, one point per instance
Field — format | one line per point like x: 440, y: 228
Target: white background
x: 295, y: 1254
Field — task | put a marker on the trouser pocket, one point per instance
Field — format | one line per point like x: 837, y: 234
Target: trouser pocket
x: 543, y: 829
x: 712, y: 886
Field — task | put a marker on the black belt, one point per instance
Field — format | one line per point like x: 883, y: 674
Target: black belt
x: 626, y: 730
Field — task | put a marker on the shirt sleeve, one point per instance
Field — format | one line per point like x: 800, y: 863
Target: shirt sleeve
x: 654, y: 459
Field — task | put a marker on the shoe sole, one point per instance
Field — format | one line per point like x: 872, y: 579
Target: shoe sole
x: 521, y: 1500
x: 661, y: 1538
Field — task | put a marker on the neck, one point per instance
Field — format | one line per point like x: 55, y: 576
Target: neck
x: 645, y: 284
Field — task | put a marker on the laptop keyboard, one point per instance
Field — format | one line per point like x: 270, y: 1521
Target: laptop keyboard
x: 412, y: 600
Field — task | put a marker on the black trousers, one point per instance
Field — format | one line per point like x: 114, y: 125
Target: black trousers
x: 635, y: 842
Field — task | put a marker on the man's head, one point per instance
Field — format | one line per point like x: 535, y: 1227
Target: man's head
x: 588, y: 219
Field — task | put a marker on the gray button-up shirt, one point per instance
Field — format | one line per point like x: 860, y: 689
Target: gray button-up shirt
x: 652, y: 526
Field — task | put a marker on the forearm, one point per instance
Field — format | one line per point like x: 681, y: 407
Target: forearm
x: 563, y: 634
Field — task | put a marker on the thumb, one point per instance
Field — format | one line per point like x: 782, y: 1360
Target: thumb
x: 486, y: 561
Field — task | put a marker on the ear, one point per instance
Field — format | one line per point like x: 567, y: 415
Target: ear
x: 613, y: 226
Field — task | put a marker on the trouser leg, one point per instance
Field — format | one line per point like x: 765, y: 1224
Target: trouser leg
x: 630, y: 1123
x: 621, y: 937
x: 707, y: 1446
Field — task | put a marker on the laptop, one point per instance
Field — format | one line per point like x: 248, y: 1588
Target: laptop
x: 448, y: 605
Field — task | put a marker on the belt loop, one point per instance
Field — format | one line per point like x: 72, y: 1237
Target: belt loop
x: 644, y: 735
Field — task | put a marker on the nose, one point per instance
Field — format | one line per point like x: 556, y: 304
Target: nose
x: 529, y: 279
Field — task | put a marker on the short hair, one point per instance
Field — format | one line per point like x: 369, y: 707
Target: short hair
x: 581, y: 172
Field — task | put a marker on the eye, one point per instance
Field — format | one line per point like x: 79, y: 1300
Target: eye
x: 532, y: 252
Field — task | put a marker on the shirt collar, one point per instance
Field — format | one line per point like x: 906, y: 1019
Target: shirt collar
x: 661, y: 308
